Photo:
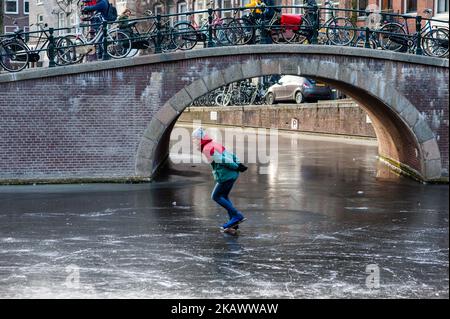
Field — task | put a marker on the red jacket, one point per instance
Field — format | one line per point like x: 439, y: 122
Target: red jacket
x: 208, y: 147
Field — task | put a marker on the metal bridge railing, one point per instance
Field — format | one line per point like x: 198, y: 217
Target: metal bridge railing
x: 325, y: 25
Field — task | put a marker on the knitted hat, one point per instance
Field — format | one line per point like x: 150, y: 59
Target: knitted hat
x: 199, y: 133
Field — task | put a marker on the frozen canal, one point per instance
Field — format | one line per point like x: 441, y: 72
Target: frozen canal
x: 316, y: 223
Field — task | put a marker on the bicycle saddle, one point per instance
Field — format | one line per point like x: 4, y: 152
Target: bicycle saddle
x: 429, y: 11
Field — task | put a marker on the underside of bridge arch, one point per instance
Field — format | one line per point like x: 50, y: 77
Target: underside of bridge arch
x: 404, y: 138
x: 397, y: 144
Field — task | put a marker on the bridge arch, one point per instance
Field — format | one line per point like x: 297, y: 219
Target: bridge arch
x: 111, y: 120
x: 406, y: 141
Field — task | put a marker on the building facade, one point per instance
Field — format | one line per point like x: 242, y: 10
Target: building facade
x: 55, y: 13
x: 63, y: 13
x: 405, y: 7
x: 14, y: 15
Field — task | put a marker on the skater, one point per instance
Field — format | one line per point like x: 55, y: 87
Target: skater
x: 225, y: 168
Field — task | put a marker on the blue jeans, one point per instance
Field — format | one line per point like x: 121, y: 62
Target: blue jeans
x: 220, y: 195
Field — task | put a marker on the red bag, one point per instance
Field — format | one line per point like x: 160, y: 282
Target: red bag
x: 291, y: 21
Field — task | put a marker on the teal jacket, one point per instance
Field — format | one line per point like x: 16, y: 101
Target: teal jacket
x: 224, y: 166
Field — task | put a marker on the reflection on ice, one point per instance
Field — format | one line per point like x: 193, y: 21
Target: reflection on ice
x: 315, y: 221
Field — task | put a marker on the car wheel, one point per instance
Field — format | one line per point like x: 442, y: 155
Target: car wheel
x: 299, y: 98
x: 270, y: 99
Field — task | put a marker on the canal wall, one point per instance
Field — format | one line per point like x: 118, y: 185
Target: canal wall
x: 338, y: 117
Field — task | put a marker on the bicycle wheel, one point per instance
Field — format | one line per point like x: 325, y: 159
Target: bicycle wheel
x: 240, y: 31
x: 166, y: 44
x: 13, y: 56
x: 304, y: 33
x: 233, y: 32
x: 222, y: 99
x: 220, y: 32
x: 184, y: 36
x: 70, y: 50
x: 283, y: 33
x: 119, y: 44
x: 393, y: 37
x: 341, y: 31
x: 435, y: 43
x: 151, y: 46
x: 361, y: 43
x: 280, y: 34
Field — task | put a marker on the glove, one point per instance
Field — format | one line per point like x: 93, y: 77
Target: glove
x: 242, y: 167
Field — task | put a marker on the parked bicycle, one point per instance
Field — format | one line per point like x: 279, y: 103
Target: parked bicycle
x: 248, y: 28
x: 296, y: 28
x: 339, y: 30
x: 395, y: 36
x: 73, y: 48
x: 147, y: 39
x: 17, y: 53
x: 186, y: 34
x: 13, y: 55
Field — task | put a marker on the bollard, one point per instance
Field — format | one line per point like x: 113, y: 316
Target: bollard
x: 51, y: 48
x: 210, y: 28
x: 419, y: 50
x: 158, y: 34
x: 105, y: 40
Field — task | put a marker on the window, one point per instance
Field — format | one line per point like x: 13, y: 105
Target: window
x: 172, y: 10
x: 12, y: 6
x: 158, y: 9
x: 441, y: 6
x: 40, y: 18
x: 198, y: 6
x: 410, y: 6
x: 182, y: 7
x: 10, y: 28
x: 26, y: 7
x: 386, y: 5
x: 226, y: 4
x: 61, y: 22
x: 297, y: 3
x: 362, y: 6
x: 73, y: 20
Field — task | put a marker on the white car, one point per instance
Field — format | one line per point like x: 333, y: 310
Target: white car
x: 298, y: 89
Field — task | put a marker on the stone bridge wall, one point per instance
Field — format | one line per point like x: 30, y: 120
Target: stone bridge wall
x: 112, y: 119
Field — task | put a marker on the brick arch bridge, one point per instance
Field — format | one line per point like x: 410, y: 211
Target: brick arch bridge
x: 111, y: 120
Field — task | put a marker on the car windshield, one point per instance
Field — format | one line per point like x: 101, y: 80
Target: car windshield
x: 290, y: 79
